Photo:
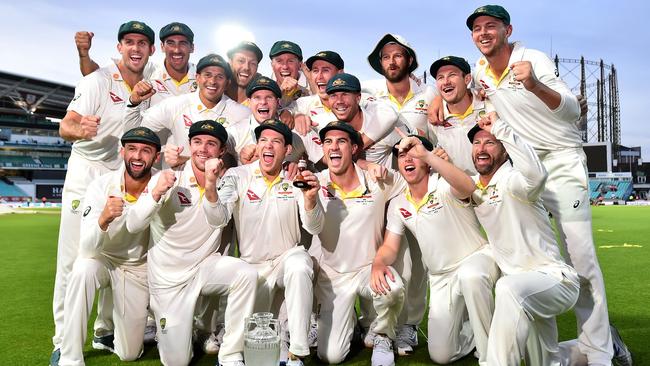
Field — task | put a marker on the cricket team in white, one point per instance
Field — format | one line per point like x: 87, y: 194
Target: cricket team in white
x: 342, y: 193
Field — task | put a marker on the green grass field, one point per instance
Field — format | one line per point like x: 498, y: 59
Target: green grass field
x: 28, y: 259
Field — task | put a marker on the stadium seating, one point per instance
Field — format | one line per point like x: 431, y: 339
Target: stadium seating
x: 53, y: 161
x: 10, y: 190
x: 16, y: 161
x: 610, y: 189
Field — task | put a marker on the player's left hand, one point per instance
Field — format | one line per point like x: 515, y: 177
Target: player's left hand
x: 377, y: 172
x: 441, y: 153
x: 412, y: 146
x: 289, y: 84
x: 524, y: 73
x: 112, y: 209
x: 378, y: 275
x: 291, y: 169
x: 435, y: 112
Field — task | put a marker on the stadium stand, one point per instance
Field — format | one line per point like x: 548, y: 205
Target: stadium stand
x: 33, y: 158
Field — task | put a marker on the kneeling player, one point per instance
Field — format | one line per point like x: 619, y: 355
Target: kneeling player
x: 184, y: 262
x: 110, y: 256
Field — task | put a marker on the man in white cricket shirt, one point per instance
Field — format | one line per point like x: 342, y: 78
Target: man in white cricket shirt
x: 524, y: 87
x: 269, y: 213
x: 109, y: 256
x: 95, y: 123
x: 354, y: 222
x: 460, y: 267
x: 536, y: 284
x: 183, y: 262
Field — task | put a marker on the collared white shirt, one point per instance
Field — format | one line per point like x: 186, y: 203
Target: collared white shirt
x: 242, y: 133
x: 102, y: 93
x: 180, y: 232
x: 446, y: 228
x: 452, y: 135
x: 510, y: 209
x: 166, y: 86
x: 178, y: 113
x: 354, y: 221
x: 116, y: 243
x: 544, y: 129
x: 414, y: 108
x: 267, y: 215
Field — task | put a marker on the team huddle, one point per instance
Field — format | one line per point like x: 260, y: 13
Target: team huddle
x: 197, y: 195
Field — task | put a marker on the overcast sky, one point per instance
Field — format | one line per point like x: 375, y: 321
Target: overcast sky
x: 39, y: 35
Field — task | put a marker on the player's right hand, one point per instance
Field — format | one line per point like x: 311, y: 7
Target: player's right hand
x: 248, y: 154
x: 89, y: 126
x: 303, y: 124
x: 84, y: 41
x: 173, y: 156
x: 487, y: 121
x: 142, y: 91
x: 213, y: 168
x: 378, y: 275
x: 435, y: 112
x: 165, y: 182
x: 112, y: 210
x: 288, y: 85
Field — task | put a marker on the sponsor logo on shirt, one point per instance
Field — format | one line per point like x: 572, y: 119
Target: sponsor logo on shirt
x: 187, y: 120
x: 484, y: 84
x: 183, y: 199
x: 252, y: 197
x: 317, y: 140
x: 160, y: 87
x: 405, y: 213
x: 87, y: 211
x: 115, y: 98
x: 194, y: 86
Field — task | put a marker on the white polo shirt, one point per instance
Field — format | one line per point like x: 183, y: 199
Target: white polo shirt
x: 105, y: 94
x: 166, y: 86
x: 452, y: 135
x: 116, y: 243
x: 180, y: 232
x: 544, y: 129
x: 242, y: 133
x: 413, y: 109
x: 177, y: 114
x: 354, y: 221
x: 446, y: 228
x: 268, y: 215
x: 511, y: 212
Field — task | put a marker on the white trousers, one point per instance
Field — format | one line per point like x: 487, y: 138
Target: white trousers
x: 80, y: 173
x: 524, y: 316
x: 292, y: 272
x: 414, y: 275
x: 460, y: 308
x: 336, y: 294
x: 174, y: 308
x: 128, y: 284
x: 567, y: 198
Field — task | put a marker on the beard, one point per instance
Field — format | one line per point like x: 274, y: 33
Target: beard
x: 399, y: 76
x: 138, y: 175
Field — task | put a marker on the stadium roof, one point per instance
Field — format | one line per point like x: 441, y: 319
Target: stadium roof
x: 25, y: 95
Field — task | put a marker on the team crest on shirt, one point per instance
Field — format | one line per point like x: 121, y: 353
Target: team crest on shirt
x: 187, y: 120
x: 75, y: 205
x: 252, y: 197
x: 285, y: 192
x: 433, y: 205
x: 421, y: 106
x: 405, y: 213
x: 221, y: 120
x: 183, y: 199
x: 115, y: 98
x: 160, y: 87
x: 494, y: 197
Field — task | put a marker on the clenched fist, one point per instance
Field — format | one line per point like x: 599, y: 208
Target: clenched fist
x: 165, y: 182
x: 89, y: 126
x: 84, y: 41
x: 112, y: 210
x: 142, y: 91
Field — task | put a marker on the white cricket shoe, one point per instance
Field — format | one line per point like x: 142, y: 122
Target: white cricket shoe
x: 382, y: 352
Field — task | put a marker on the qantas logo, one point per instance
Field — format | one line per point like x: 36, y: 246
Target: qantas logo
x: 115, y: 98
x: 484, y: 84
x: 161, y: 87
x: 187, y: 120
x: 405, y: 213
x: 183, y: 199
x: 252, y: 196
x: 313, y: 112
x: 316, y: 140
